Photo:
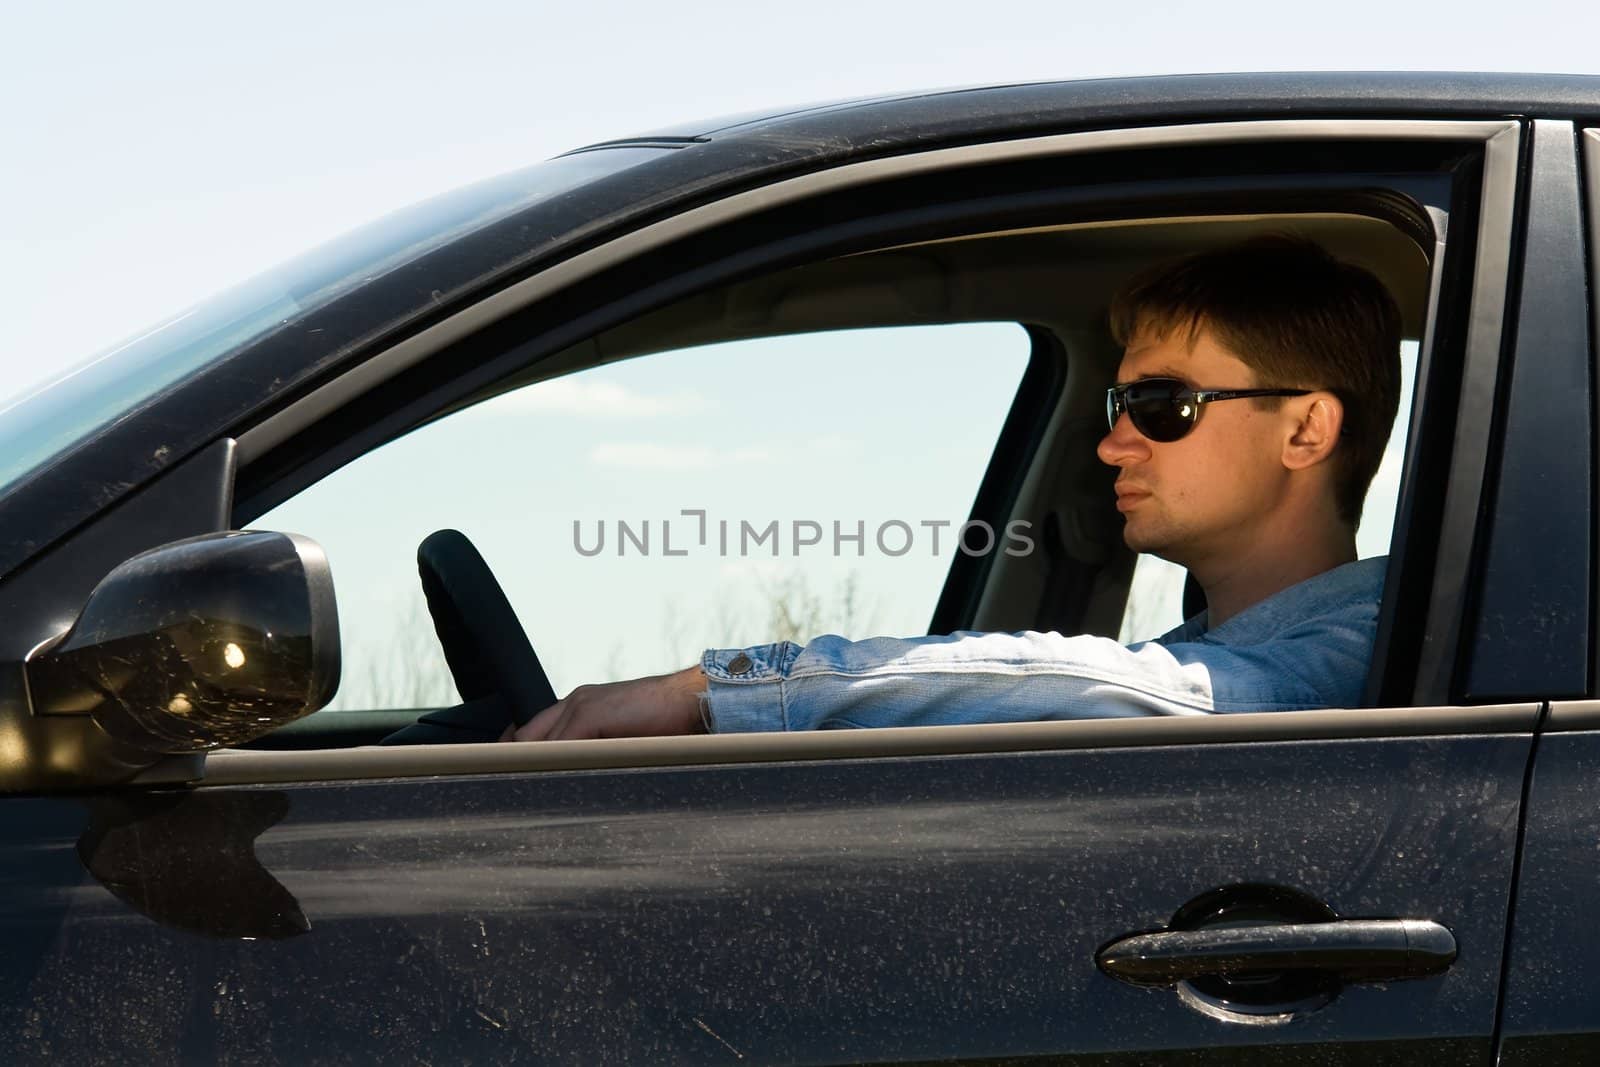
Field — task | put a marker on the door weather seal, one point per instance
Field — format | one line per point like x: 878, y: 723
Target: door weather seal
x: 1516, y: 879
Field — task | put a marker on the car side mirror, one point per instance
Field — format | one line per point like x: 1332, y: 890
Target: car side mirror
x: 198, y: 644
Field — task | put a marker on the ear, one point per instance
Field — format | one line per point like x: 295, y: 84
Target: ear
x: 1317, y: 419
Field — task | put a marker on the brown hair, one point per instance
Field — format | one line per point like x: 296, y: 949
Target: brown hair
x: 1298, y: 318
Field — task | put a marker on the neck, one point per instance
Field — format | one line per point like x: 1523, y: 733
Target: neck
x: 1246, y: 579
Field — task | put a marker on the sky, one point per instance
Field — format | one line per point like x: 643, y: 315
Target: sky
x: 159, y: 152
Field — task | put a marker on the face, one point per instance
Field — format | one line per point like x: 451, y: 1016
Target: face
x: 1213, y: 491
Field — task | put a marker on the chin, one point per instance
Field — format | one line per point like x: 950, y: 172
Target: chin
x: 1140, y: 540
x: 1152, y: 543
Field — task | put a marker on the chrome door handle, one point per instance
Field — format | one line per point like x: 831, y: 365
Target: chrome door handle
x: 1353, y: 950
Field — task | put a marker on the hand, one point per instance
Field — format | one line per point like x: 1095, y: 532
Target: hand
x: 643, y: 707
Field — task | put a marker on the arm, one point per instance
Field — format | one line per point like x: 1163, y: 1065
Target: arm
x: 833, y: 683
x: 642, y: 707
x: 958, y: 678
x: 979, y: 677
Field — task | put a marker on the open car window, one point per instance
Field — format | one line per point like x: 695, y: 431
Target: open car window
x: 743, y: 468
x: 641, y: 512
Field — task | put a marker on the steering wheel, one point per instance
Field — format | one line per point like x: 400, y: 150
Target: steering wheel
x: 494, y: 666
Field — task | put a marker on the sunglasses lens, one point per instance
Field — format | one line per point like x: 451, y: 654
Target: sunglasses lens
x: 1159, y: 410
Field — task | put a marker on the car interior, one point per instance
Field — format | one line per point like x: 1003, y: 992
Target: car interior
x: 1055, y: 280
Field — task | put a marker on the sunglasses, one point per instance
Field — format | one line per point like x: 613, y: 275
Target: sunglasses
x: 1166, y: 409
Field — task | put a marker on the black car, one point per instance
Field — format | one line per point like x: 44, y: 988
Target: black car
x: 197, y: 869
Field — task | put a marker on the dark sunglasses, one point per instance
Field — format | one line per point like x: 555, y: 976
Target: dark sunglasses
x: 1166, y: 409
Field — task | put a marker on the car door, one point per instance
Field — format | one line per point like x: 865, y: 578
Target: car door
x: 836, y: 906
x: 984, y: 892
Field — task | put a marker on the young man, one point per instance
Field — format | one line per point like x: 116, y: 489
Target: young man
x: 1254, y: 400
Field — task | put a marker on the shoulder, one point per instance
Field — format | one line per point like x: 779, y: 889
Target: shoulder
x: 1308, y: 646
x: 1339, y: 599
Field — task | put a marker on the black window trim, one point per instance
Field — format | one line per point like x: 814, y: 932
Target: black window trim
x: 1526, y: 633
x: 1581, y: 715
x: 1469, y: 452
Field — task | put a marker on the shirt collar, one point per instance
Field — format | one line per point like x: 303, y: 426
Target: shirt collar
x: 1349, y: 583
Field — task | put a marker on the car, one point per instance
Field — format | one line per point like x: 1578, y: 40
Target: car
x: 887, y: 315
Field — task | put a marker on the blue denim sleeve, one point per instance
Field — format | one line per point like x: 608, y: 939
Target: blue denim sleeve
x: 1031, y: 676
x: 1306, y: 647
x: 960, y: 678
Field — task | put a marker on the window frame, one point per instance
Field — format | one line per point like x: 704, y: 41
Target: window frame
x: 262, y: 447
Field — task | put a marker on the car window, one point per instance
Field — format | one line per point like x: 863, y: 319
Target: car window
x: 1155, y: 596
x: 641, y: 512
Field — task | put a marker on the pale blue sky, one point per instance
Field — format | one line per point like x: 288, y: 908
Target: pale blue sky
x: 156, y: 153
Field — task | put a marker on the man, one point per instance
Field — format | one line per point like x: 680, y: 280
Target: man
x: 1255, y: 395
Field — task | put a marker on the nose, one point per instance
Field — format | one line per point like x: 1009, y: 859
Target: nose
x: 1123, y: 446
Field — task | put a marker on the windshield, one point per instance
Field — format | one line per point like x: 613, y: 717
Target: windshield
x: 46, y: 421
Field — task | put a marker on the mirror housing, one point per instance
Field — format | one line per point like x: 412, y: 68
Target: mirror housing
x: 198, y: 644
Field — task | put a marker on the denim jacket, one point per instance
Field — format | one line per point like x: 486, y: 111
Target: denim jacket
x: 1307, y: 646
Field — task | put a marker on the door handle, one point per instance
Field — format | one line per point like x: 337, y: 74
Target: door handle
x: 1353, y: 950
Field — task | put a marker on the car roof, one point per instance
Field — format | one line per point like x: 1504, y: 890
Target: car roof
x: 991, y: 108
